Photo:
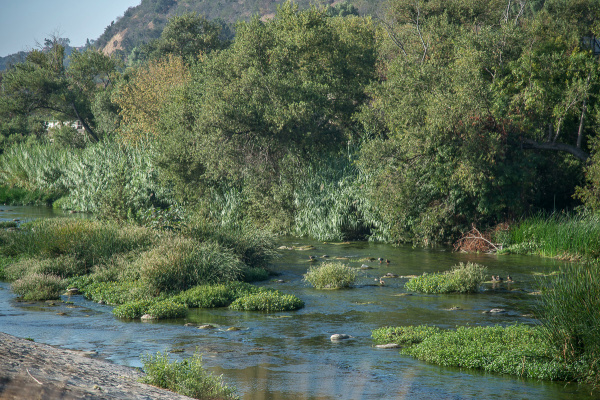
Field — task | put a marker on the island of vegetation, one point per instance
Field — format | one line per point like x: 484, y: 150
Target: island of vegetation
x: 466, y: 122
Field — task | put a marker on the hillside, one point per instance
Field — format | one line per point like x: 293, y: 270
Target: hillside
x: 145, y: 22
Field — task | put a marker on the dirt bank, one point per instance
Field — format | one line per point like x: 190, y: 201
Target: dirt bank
x: 32, y: 371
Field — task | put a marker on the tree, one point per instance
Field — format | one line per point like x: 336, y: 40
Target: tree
x: 44, y: 86
x: 284, y: 92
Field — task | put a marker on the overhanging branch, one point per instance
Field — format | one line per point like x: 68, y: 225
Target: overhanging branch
x: 577, y: 152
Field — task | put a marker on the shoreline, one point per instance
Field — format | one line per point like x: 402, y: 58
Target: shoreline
x: 31, y: 371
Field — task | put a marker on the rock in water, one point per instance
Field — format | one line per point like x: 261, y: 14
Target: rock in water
x: 339, y: 336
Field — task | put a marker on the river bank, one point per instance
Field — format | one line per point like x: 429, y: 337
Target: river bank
x: 30, y: 370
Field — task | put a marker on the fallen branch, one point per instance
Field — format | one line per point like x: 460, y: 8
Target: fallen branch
x: 33, y: 377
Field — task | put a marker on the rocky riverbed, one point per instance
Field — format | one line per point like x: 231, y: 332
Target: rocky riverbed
x: 32, y: 371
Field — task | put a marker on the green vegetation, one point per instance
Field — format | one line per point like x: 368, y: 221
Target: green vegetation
x: 331, y: 276
x: 463, y: 278
x: 267, y: 300
x: 187, y: 377
x: 557, y: 235
x: 37, y: 286
x: 517, y: 350
x: 569, y: 312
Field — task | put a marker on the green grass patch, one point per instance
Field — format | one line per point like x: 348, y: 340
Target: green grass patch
x: 187, y: 377
x: 133, y: 309
x: 403, y: 335
x: 211, y: 296
x: 37, y: 287
x: 557, y: 235
x: 517, y: 350
x: 331, y: 276
x: 267, y: 301
x: 8, y: 224
x: 463, y: 278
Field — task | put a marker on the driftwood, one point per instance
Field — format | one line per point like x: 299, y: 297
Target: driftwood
x: 474, y: 241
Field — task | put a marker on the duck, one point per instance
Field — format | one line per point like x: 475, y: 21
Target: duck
x: 380, y: 260
x: 312, y: 258
x: 499, y: 278
x: 508, y: 278
x: 387, y: 261
x: 494, y: 279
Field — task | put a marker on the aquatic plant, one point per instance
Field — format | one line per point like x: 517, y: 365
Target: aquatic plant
x: 166, y: 309
x: 462, y: 278
x: 331, y: 275
x: 132, y: 309
x: 403, y: 335
x: 517, y: 350
x: 211, y: 296
x: 36, y: 287
x: 568, y: 310
x: 267, y: 301
x: 557, y: 235
x: 187, y: 377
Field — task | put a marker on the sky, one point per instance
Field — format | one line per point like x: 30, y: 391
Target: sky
x: 23, y: 23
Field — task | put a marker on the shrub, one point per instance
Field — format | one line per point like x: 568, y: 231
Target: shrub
x: 211, y: 296
x: 463, y: 278
x: 39, y: 287
x: 180, y: 263
x: 403, y: 335
x: 267, y: 301
x: 331, y: 276
x: 187, y: 377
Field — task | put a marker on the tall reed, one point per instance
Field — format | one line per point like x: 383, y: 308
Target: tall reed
x: 557, y: 235
x: 569, y: 310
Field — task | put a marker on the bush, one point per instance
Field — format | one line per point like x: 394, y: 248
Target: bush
x: 180, y: 263
x: 39, y: 287
x: 267, y: 301
x: 404, y: 335
x: 331, y: 276
x: 569, y: 311
x: 463, y: 278
x: 187, y: 377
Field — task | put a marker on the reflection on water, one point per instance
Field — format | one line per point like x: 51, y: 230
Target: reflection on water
x: 290, y: 356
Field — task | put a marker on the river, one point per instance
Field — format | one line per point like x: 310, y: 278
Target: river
x: 289, y: 355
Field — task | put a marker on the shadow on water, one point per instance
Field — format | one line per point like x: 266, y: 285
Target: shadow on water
x: 290, y: 355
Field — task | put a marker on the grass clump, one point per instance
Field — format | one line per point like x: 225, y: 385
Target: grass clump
x: 116, y: 292
x: 267, y: 301
x: 331, y: 276
x: 463, y: 278
x: 178, y: 263
x: 557, y: 235
x: 61, y: 266
x: 187, y: 377
x: 569, y: 311
x: 36, y: 287
x: 167, y: 309
x: 517, y: 350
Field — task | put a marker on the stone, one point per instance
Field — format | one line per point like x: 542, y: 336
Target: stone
x: 339, y: 336
x: 388, y: 346
x: 495, y: 311
x: 206, y: 326
x: 148, y: 316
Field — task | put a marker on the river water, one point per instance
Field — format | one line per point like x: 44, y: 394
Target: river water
x: 289, y: 355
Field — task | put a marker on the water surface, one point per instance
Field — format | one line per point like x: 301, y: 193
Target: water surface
x: 290, y: 356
